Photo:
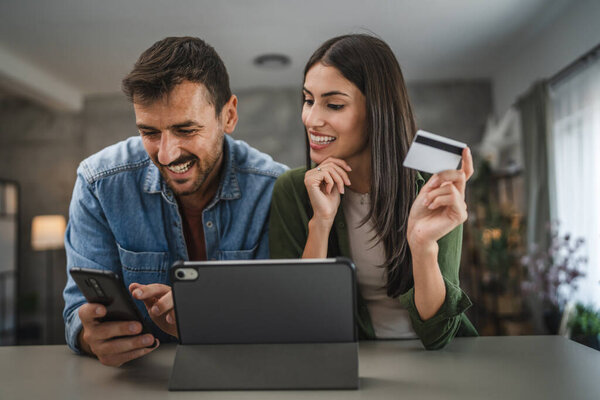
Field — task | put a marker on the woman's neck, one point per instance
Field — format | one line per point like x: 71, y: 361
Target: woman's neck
x: 360, y: 176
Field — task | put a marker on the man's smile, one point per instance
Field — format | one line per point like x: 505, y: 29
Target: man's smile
x: 180, y: 168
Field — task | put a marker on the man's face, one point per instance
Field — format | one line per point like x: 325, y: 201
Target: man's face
x: 183, y: 136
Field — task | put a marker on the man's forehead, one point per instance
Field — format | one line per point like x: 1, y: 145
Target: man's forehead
x: 186, y: 93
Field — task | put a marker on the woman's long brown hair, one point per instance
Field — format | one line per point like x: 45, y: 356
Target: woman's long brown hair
x: 369, y: 63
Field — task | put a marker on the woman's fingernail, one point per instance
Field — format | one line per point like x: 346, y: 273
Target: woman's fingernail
x: 155, y: 310
x: 426, y: 202
x: 169, y: 319
x: 137, y: 293
x: 133, y: 328
x: 98, y: 310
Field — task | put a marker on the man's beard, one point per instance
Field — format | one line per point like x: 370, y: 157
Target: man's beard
x: 204, y: 166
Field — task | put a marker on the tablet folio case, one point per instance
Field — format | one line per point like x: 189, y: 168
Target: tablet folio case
x: 266, y: 324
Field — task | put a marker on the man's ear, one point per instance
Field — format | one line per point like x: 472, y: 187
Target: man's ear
x: 229, y: 115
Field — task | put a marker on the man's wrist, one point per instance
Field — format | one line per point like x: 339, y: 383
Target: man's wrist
x: 83, y: 346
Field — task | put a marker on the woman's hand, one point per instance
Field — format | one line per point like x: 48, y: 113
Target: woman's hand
x: 324, y: 185
x: 440, y: 206
x: 158, y: 299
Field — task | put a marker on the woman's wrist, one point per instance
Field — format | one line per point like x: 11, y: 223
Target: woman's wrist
x: 320, y: 225
x: 423, y: 249
x: 318, y: 238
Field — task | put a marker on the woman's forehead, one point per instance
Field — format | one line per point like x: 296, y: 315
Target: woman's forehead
x: 321, y: 79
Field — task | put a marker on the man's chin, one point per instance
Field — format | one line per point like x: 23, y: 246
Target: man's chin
x: 184, y: 187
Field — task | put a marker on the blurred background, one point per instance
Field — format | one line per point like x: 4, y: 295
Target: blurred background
x: 518, y: 80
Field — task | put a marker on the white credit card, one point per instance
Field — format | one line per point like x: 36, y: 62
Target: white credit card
x: 433, y: 153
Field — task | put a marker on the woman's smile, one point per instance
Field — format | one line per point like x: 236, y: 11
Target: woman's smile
x: 319, y: 141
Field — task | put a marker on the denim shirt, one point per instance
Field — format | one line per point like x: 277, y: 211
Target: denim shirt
x: 124, y: 218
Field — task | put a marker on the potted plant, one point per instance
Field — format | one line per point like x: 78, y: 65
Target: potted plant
x: 552, y: 273
x: 584, y: 326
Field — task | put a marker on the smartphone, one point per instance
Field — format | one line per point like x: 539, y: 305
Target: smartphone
x: 107, y: 288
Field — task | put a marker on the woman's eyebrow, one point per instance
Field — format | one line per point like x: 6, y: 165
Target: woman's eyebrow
x: 334, y: 93
x: 331, y: 93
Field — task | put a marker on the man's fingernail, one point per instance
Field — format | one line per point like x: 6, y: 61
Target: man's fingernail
x: 132, y: 328
x: 147, y: 340
x: 155, y: 310
x: 98, y: 310
x: 137, y: 292
x: 169, y: 319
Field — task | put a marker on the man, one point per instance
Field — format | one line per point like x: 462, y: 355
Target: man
x: 181, y: 190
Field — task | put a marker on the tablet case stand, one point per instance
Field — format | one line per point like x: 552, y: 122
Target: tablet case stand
x: 284, y: 324
x: 265, y: 366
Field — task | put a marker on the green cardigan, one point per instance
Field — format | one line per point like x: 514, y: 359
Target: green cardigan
x: 288, y: 231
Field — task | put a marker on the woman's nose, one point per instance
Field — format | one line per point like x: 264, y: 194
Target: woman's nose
x: 313, y: 117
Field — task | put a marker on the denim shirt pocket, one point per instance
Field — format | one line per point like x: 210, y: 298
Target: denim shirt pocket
x: 238, y: 254
x: 144, y: 267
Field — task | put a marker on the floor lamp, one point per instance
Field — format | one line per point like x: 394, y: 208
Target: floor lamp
x: 47, y: 234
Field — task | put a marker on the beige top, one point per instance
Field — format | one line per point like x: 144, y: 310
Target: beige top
x: 389, y: 319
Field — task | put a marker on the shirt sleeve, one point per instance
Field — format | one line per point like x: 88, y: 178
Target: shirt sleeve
x: 288, y: 220
x: 440, y: 329
x: 89, y: 243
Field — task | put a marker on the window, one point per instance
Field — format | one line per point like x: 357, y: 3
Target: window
x: 574, y: 156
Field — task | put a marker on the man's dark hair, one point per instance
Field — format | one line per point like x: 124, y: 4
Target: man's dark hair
x: 173, y: 60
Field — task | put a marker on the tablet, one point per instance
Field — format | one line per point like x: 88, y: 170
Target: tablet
x: 265, y: 301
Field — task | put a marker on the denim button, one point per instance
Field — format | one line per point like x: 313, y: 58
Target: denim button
x: 209, y: 224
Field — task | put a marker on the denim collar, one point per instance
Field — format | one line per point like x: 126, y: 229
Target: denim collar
x: 229, y: 188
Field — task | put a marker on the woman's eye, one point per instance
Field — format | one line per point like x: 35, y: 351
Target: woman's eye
x: 308, y: 101
x: 335, y: 106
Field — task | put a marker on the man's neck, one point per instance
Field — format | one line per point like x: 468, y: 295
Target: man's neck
x: 196, y: 202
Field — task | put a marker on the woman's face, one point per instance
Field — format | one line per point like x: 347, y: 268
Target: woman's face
x: 334, y: 114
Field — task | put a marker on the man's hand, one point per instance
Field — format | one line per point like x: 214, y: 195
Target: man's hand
x: 158, y: 299
x: 114, y: 343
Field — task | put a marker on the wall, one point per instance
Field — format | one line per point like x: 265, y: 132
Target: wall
x: 573, y: 31
x: 41, y: 150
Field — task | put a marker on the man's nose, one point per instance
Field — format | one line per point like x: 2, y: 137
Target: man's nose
x: 169, y: 149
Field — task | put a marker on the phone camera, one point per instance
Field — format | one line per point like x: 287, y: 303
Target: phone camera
x: 180, y: 274
x: 94, y: 283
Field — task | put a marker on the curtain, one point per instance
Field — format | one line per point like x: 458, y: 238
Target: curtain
x: 575, y: 166
x: 533, y: 107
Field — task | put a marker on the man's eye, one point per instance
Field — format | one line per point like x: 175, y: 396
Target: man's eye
x: 187, y: 131
x: 149, y: 133
x: 335, y: 106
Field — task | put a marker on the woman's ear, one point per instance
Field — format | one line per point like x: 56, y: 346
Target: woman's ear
x: 229, y: 115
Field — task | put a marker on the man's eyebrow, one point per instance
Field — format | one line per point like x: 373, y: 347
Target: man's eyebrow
x: 331, y: 93
x: 174, y: 126
x: 148, y: 127
x: 186, y: 124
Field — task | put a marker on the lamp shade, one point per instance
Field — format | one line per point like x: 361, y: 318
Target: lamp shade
x: 47, y: 232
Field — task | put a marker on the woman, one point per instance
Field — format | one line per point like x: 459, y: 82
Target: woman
x: 404, y: 235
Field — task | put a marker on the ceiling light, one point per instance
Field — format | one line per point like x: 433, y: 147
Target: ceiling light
x: 272, y: 61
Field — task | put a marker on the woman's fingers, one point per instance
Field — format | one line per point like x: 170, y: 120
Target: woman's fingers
x: 457, y: 177
x: 443, y: 189
x: 337, y: 178
x: 341, y: 172
x: 467, y: 163
x: 337, y: 161
x: 332, y: 175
